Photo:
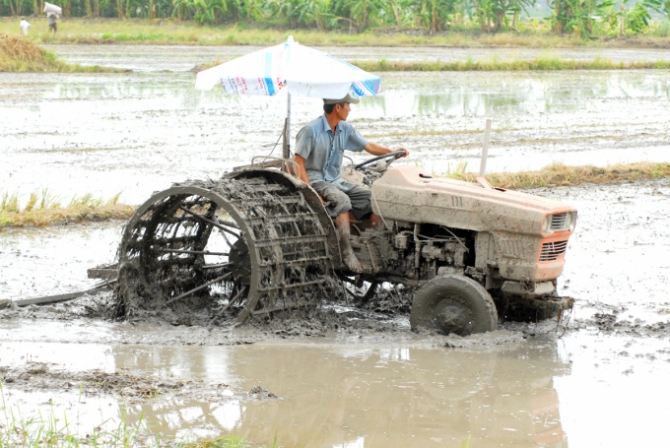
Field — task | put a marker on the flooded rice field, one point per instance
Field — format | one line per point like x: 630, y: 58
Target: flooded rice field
x: 597, y: 379
x: 137, y: 133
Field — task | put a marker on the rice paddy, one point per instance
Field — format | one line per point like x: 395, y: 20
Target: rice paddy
x: 537, y: 64
x: 18, y: 54
x: 44, y: 208
x: 558, y: 174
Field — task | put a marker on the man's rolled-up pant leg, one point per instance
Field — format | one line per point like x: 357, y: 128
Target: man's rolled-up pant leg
x: 338, y: 201
x: 361, y: 201
x: 357, y: 200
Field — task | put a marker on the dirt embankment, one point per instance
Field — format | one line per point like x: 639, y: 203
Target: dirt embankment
x: 22, y: 55
x: 559, y: 174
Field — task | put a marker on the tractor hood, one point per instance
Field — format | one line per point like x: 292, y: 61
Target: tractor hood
x: 409, y: 194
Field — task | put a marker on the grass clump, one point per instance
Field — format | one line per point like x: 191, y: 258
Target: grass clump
x: 48, y: 428
x: 558, y: 174
x: 44, y: 209
x: 221, y: 442
x: 539, y: 64
x: 18, y: 54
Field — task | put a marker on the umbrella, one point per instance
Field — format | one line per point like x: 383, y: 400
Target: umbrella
x: 302, y: 70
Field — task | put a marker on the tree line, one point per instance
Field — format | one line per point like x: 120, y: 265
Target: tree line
x: 355, y: 16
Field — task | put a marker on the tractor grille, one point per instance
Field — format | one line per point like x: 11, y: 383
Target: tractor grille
x: 558, y: 221
x: 551, y: 251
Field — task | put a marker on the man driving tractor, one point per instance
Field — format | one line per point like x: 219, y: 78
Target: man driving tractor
x: 320, y: 147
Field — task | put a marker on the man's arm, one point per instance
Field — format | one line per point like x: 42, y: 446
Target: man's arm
x: 378, y: 150
x: 300, y: 161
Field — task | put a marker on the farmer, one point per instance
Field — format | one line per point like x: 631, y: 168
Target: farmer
x: 319, y: 149
x: 24, y: 26
x: 52, y: 22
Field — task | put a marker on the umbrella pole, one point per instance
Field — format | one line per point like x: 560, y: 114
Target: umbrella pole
x: 286, y: 153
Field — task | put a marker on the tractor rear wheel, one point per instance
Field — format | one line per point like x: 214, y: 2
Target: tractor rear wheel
x: 453, y: 304
x: 250, y: 243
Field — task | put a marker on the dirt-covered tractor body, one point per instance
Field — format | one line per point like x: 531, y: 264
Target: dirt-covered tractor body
x: 259, y: 240
x: 510, y: 237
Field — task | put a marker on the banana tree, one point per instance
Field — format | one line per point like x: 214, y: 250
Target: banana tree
x: 316, y: 12
x: 493, y: 14
x: 432, y: 14
x: 360, y: 13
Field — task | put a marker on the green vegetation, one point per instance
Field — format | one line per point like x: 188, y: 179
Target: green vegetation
x: 50, y: 430
x: 22, y: 55
x: 587, y: 19
x: 538, y: 63
x: 170, y: 31
x: 227, y: 442
x: 46, y: 209
x: 47, y: 429
x: 562, y: 175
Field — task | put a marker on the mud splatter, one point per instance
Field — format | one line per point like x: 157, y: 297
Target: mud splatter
x: 132, y: 385
x: 258, y: 393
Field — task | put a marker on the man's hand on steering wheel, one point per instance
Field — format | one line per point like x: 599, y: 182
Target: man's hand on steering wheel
x: 391, y: 156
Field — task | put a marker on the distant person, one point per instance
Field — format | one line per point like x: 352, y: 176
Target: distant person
x: 24, y: 26
x: 52, y: 22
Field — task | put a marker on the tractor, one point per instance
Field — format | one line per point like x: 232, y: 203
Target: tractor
x: 258, y: 241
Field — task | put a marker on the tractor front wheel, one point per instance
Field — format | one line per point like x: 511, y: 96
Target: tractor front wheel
x: 453, y: 304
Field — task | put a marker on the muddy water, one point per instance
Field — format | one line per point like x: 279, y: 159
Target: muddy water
x: 54, y: 260
x: 618, y: 254
x: 390, y: 393
x: 145, y: 58
x: 137, y: 133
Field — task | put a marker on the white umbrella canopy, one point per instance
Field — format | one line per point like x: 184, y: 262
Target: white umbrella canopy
x: 302, y: 70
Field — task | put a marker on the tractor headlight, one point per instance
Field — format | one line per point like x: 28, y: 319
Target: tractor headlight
x: 571, y: 221
x: 558, y: 222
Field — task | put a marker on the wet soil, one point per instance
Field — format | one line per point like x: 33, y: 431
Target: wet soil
x: 133, y: 386
x: 345, y: 376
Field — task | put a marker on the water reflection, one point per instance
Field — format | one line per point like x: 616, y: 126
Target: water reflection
x: 460, y: 94
x: 508, y: 93
x: 365, y: 396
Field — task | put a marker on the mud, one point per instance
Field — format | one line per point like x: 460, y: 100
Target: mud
x: 135, y: 387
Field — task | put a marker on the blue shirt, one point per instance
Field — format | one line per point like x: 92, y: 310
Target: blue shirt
x: 323, y: 150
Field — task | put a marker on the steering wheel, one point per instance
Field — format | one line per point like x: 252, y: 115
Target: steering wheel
x: 392, y: 155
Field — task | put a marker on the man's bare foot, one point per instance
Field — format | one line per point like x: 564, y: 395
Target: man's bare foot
x: 351, y: 262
